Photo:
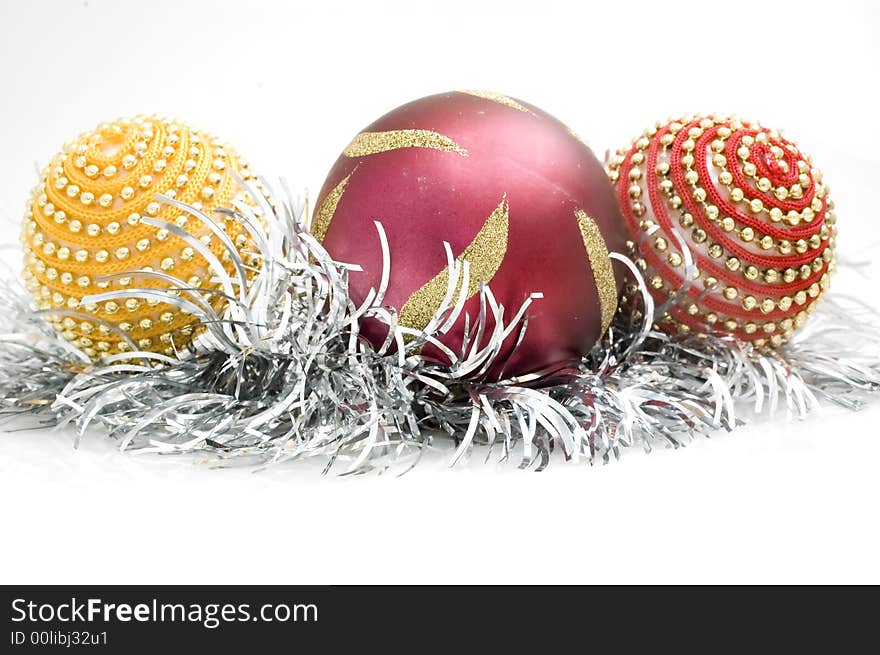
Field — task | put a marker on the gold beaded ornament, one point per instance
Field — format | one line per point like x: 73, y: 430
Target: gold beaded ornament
x: 753, y: 212
x: 84, y: 232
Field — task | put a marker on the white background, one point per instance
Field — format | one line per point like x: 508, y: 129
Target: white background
x: 290, y: 83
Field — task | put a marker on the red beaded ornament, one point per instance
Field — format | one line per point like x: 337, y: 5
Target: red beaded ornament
x: 753, y: 212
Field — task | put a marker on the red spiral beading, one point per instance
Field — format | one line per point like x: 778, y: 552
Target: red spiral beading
x: 752, y: 210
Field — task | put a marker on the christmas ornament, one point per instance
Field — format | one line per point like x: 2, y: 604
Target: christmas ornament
x: 95, y: 228
x: 282, y: 371
x: 513, y: 192
x: 732, y: 225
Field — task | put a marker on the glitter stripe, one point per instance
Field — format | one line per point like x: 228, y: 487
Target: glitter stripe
x: 500, y: 99
x: 371, y: 143
x: 484, y: 254
x: 324, y: 214
x: 600, y: 264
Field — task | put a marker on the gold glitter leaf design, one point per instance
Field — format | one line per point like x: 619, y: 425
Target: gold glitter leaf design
x: 500, y: 99
x: 484, y: 255
x: 371, y: 143
x: 324, y: 213
x: 600, y: 263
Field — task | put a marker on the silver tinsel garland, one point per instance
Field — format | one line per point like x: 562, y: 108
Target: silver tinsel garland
x: 283, y: 374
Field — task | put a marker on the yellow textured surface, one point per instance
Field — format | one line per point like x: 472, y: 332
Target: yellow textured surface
x: 84, y: 222
x: 371, y: 143
x: 600, y: 264
x: 484, y: 255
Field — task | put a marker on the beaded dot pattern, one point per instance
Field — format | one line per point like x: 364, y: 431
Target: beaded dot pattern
x: 754, y: 213
x: 83, y: 231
